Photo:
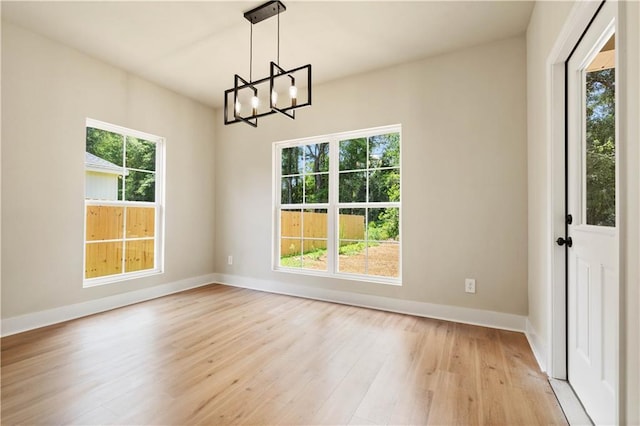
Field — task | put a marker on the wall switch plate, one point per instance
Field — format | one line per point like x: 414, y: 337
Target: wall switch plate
x: 470, y: 285
x: 230, y: 260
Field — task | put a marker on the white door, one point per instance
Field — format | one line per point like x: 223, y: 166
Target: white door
x: 592, y: 203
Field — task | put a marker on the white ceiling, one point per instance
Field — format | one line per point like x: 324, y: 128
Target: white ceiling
x: 195, y: 48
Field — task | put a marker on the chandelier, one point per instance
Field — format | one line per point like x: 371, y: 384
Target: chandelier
x: 283, y: 91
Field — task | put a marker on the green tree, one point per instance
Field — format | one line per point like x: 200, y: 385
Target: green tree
x: 291, y: 184
x: 353, y: 164
x: 384, y: 184
x: 106, y: 145
x: 305, y: 174
x: 317, y: 169
x: 374, y: 165
x: 140, y: 156
x: 600, y: 147
x: 140, y: 184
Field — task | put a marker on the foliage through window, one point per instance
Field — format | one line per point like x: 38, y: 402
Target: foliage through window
x: 600, y: 162
x: 338, y: 204
x: 122, y: 203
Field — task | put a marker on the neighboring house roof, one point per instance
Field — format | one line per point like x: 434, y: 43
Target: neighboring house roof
x: 93, y: 163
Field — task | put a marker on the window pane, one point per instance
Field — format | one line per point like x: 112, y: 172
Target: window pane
x: 139, y: 255
x: 600, y: 170
x: 383, y: 258
x: 104, y: 223
x: 383, y: 224
x: 292, y: 160
x: 313, y: 245
x: 384, y: 185
x: 384, y: 150
x: 317, y: 158
x: 141, y: 222
x: 353, y: 187
x: 141, y: 154
x: 107, y: 146
x: 352, y: 223
x: 291, y: 190
x: 352, y: 257
x: 103, y: 259
x: 316, y: 188
x: 315, y: 255
x: 352, y: 248
x: 291, y: 261
x: 291, y: 252
x: 353, y: 154
x: 290, y: 247
x: 315, y: 224
x: 290, y: 224
x: 140, y: 186
x: 103, y: 165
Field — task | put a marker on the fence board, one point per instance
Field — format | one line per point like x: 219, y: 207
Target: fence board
x: 139, y: 255
x: 300, y: 227
x: 351, y: 227
x: 103, y: 259
x: 104, y: 223
x: 141, y: 222
x: 107, y: 223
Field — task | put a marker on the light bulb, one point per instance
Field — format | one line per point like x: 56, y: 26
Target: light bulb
x: 293, y: 93
x: 254, y: 104
x: 274, y: 97
x: 238, y: 106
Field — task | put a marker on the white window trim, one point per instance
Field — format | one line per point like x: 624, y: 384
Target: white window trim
x: 332, y: 206
x: 158, y: 204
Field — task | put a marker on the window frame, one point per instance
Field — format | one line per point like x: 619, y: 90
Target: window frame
x: 158, y: 204
x: 333, y: 205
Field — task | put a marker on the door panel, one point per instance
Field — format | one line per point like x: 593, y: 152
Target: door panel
x: 582, y: 312
x: 593, y: 287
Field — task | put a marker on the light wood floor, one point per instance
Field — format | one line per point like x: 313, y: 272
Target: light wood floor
x: 221, y: 355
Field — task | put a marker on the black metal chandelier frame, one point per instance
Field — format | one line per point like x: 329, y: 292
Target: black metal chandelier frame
x: 258, y: 14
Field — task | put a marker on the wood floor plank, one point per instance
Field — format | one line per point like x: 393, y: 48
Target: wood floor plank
x: 222, y: 355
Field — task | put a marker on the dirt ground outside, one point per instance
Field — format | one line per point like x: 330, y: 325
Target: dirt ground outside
x: 384, y: 260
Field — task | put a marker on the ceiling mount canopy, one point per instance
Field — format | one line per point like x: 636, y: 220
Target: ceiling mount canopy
x: 264, y: 11
x: 283, y: 91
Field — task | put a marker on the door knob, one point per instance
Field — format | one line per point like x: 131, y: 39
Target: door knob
x: 561, y: 241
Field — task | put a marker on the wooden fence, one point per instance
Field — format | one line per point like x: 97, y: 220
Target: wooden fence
x: 107, y: 223
x: 310, y: 230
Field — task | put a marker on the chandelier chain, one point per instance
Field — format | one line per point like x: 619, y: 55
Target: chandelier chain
x: 251, y: 54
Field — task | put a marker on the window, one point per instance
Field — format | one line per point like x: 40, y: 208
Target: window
x: 123, y: 204
x: 337, y: 200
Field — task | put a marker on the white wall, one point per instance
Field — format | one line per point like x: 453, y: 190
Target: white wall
x: 48, y: 90
x: 630, y: 205
x: 464, y: 180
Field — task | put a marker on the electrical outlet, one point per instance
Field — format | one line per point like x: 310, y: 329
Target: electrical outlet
x: 470, y: 285
x: 230, y: 260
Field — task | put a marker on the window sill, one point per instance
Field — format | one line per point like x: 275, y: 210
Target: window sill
x: 113, y: 279
x: 369, y: 279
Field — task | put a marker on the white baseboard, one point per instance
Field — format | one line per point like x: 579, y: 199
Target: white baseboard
x: 537, y: 346
x: 492, y: 319
x: 39, y: 319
